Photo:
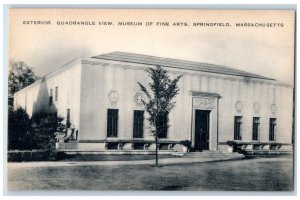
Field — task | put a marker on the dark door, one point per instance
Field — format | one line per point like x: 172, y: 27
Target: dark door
x: 202, y: 130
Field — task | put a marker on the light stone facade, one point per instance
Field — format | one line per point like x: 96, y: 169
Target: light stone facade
x: 88, y: 87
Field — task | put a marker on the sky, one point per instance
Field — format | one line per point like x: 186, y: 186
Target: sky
x: 267, y: 51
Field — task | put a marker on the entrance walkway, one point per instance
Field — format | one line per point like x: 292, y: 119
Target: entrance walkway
x: 195, y: 157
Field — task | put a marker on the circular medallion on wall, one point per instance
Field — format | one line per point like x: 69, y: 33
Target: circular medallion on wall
x: 256, y: 107
x: 238, y: 106
x: 113, y: 96
x: 273, y: 108
x: 138, y: 98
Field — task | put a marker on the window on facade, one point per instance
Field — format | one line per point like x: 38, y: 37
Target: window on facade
x: 68, y: 122
x: 50, y: 97
x: 272, y: 129
x: 138, y: 124
x: 112, y: 122
x: 237, y: 128
x: 163, y: 125
x: 255, y: 129
x: 56, y: 93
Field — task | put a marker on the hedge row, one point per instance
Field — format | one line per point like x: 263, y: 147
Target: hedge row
x: 30, y: 155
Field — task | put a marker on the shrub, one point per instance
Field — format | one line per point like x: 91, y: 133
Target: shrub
x: 35, y: 133
x: 43, y: 128
x: 231, y: 143
x: 19, y: 135
x: 28, y: 155
x: 186, y: 143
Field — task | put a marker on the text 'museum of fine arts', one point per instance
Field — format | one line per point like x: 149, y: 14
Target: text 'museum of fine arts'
x: 100, y: 98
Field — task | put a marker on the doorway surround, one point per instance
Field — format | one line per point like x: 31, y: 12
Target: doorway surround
x: 206, y: 102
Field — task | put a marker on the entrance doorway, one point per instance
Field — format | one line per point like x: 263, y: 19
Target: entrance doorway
x: 202, y: 130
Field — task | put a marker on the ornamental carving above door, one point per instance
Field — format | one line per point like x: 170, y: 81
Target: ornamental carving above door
x: 207, y: 103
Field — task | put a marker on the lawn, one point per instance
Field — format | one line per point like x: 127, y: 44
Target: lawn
x: 257, y: 174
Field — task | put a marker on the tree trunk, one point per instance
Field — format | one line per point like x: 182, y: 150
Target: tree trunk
x: 156, y: 153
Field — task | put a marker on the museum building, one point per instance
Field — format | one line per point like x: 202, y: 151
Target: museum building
x: 101, y: 101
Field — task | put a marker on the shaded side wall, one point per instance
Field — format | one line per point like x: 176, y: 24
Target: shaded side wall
x: 35, y: 98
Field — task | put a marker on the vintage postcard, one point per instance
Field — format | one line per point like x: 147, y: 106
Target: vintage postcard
x: 150, y: 100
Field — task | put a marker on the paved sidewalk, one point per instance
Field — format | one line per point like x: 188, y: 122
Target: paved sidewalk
x: 162, y: 161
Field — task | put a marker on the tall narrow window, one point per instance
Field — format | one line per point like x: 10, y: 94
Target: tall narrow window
x: 163, y: 125
x: 51, y: 97
x: 255, y: 128
x: 56, y: 93
x: 68, y: 122
x: 237, y: 128
x: 272, y: 129
x: 138, y: 124
x: 112, y: 122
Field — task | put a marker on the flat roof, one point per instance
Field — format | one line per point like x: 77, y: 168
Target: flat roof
x: 176, y: 63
